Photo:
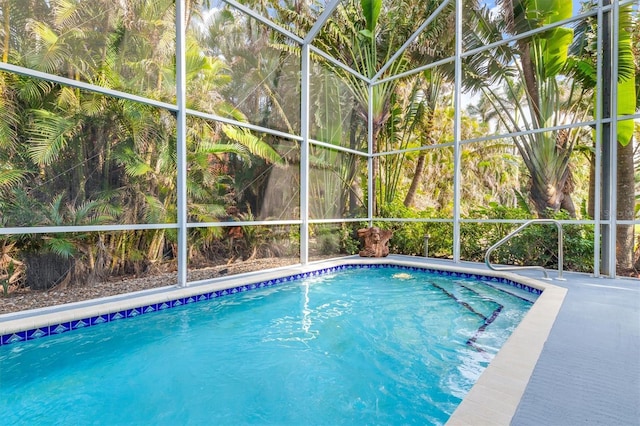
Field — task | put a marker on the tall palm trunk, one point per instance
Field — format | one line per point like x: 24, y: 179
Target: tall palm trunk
x: 551, y: 187
x: 417, y: 177
x: 531, y: 84
x: 625, y: 206
x: 541, y: 61
x: 409, y: 199
x: 7, y: 30
x: 353, y: 144
x: 550, y: 197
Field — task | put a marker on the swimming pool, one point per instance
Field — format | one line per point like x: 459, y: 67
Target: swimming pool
x: 298, y: 383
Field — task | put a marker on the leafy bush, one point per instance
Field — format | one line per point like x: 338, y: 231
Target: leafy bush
x: 476, y: 238
x: 535, y: 245
x: 408, y: 237
x: 328, y: 243
x: 349, y: 241
x: 333, y: 239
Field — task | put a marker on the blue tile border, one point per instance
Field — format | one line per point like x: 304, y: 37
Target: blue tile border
x: 64, y: 327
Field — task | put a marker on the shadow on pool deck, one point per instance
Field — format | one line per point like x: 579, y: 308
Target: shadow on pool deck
x: 589, y: 369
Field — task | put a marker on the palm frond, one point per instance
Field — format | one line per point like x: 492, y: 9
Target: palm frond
x: 254, y: 144
x: 154, y: 211
x: 53, y: 53
x: 56, y: 213
x: 49, y: 135
x: 134, y: 166
x: 60, y: 245
x: 12, y: 178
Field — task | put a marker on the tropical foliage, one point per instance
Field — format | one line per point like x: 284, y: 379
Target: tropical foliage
x: 71, y: 156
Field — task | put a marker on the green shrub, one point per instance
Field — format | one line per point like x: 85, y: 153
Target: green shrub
x: 535, y: 245
x: 349, y: 241
x: 476, y: 238
x: 408, y: 237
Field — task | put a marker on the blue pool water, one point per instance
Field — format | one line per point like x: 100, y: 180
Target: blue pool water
x: 364, y: 346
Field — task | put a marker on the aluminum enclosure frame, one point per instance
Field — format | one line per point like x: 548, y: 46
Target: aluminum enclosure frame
x: 608, y: 256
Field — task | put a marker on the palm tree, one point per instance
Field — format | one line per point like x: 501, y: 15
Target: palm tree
x: 115, y: 152
x: 355, y: 36
x: 428, y: 127
x: 259, y: 77
x: 534, y: 64
x: 584, y: 69
x: 365, y: 37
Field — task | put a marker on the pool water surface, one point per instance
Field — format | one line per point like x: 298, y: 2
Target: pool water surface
x: 362, y: 346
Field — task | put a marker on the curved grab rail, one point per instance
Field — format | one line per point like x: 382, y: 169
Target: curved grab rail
x: 516, y: 231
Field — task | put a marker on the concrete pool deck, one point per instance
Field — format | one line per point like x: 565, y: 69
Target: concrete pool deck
x: 574, y: 359
x: 589, y: 369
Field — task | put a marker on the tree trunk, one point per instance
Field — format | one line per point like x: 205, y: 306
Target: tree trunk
x: 545, y: 197
x: 625, y: 207
x: 7, y: 30
x: 353, y: 144
x: 46, y: 270
x: 531, y: 85
x: 568, y: 205
x: 553, y: 192
x: 415, y: 182
x: 551, y: 197
x: 528, y: 68
x: 567, y: 202
x: 591, y: 201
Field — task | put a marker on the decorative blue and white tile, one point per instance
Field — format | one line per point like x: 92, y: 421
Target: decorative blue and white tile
x: 133, y: 312
x: 80, y: 324
x: 100, y: 319
x: 20, y: 336
x: 117, y: 315
x: 149, y: 308
x: 37, y: 333
x: 59, y: 328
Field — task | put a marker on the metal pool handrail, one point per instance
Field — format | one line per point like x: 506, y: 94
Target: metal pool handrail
x: 516, y: 231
